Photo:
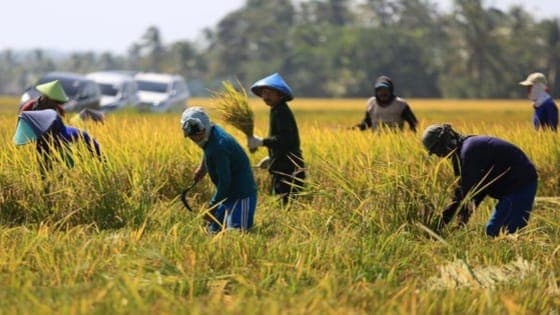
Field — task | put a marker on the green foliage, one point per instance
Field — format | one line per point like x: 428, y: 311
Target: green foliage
x: 336, y: 48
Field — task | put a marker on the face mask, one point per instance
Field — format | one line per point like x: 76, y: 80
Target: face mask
x: 440, y: 150
x: 201, y: 143
x: 446, y: 144
x: 538, y: 90
x: 204, y: 139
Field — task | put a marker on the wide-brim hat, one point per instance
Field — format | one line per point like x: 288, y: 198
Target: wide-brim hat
x: 535, y: 77
x: 53, y: 90
x: 276, y: 82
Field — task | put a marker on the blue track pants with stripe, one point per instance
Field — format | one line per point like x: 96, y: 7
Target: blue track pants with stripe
x: 236, y: 214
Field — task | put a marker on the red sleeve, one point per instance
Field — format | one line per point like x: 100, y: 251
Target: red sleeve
x: 28, y: 106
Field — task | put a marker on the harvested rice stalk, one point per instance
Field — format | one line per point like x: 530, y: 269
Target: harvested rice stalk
x: 234, y: 109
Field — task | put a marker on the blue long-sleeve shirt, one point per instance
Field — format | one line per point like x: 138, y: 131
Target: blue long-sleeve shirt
x: 488, y: 166
x: 62, y: 136
x: 71, y: 134
x: 229, y: 167
x: 546, y: 115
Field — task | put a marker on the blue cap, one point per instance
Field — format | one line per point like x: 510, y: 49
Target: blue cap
x: 275, y: 82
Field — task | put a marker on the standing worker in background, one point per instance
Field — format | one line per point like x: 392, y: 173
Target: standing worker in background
x: 229, y: 168
x: 52, y: 97
x: 286, y: 160
x: 546, y: 111
x: 486, y: 166
x: 386, y: 109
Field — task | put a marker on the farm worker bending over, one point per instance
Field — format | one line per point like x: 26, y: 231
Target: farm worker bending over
x: 386, y: 109
x: 224, y: 159
x: 286, y: 160
x: 51, y: 135
x: 486, y: 166
x: 546, y: 111
x: 52, y: 97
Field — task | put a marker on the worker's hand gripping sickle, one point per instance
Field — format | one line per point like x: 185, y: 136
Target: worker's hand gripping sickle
x: 184, y: 196
x: 198, y: 175
x: 208, y: 216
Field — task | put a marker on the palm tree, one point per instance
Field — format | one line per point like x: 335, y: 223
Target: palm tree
x: 478, y: 38
x: 152, y: 42
x: 551, y: 38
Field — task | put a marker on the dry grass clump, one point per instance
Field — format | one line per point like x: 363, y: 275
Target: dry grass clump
x: 458, y: 274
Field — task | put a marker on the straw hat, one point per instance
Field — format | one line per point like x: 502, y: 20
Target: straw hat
x: 53, y: 90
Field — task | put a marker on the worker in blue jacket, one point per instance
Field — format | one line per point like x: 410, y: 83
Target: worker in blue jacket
x: 51, y: 135
x: 486, y: 166
x: 546, y: 111
x: 62, y: 140
x: 234, y: 202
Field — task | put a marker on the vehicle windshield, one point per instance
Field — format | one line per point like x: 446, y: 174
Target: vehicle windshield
x: 108, y: 89
x: 151, y: 86
x: 70, y: 86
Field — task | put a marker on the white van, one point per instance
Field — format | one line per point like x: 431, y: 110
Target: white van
x: 118, y: 89
x: 160, y: 92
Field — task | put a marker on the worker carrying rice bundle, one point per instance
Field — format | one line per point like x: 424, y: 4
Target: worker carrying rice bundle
x: 283, y: 143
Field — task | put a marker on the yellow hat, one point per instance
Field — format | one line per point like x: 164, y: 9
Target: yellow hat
x: 535, y: 77
x: 53, y: 90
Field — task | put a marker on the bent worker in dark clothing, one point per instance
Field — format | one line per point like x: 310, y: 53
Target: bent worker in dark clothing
x: 487, y: 166
x: 286, y: 160
x: 386, y: 109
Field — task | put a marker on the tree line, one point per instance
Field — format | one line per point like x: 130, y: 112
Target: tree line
x: 336, y: 48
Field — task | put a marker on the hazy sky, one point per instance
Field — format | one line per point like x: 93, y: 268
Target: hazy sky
x: 112, y: 25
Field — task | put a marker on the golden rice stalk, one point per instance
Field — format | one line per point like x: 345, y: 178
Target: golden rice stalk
x: 233, y: 106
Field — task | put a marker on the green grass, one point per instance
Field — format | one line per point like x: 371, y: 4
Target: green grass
x: 111, y: 237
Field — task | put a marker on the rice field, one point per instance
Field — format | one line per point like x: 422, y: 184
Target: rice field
x: 111, y: 237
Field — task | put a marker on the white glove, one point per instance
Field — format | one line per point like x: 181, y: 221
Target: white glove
x: 254, y: 142
x: 264, y: 163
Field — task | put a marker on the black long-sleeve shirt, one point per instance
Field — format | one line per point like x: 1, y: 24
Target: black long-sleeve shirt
x: 283, y: 140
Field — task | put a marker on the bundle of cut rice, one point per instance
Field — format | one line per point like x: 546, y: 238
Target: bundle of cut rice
x: 233, y: 106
